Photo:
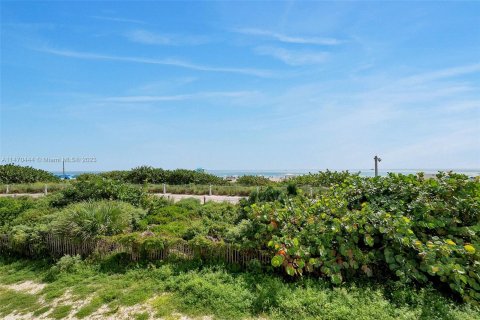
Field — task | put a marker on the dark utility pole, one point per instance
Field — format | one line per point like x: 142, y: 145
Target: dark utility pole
x: 63, y: 165
x: 377, y: 160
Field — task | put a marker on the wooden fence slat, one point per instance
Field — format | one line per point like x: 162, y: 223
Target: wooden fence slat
x: 59, y: 246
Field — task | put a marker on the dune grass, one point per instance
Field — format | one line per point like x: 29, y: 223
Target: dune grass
x: 17, y: 302
x: 171, y: 288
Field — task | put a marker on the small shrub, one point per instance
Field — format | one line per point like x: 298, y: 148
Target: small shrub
x: 69, y: 263
x: 322, y: 179
x: 250, y: 180
x: 292, y: 189
x: 88, y: 220
x: 11, y: 208
x: 93, y: 188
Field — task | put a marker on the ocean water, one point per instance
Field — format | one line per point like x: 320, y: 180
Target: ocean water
x: 283, y: 173
x: 363, y: 172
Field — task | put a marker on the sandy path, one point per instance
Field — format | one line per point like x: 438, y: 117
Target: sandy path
x: 175, y: 197
x: 203, y: 199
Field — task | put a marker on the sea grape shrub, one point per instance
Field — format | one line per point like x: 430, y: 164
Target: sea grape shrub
x: 322, y: 178
x: 261, y: 195
x: 447, y: 204
x: 88, y: 220
x: 98, y: 188
x: 10, y: 173
x: 404, y: 227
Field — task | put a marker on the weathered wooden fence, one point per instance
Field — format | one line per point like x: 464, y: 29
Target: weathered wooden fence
x: 56, y: 247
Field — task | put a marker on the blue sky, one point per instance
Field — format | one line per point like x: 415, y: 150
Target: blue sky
x: 242, y: 85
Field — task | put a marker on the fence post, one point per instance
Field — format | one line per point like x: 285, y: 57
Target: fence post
x: 164, y: 188
x: 8, y: 189
x: 204, y: 199
x: 210, y: 191
x: 311, y: 192
x: 46, y: 190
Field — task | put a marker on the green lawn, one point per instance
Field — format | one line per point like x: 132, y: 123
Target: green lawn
x: 173, y: 289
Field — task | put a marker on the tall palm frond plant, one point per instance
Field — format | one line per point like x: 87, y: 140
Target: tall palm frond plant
x: 87, y: 220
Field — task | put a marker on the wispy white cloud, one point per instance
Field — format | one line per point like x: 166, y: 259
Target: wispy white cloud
x: 442, y: 74
x: 146, y: 37
x: 118, y: 19
x: 293, y: 57
x: 166, y: 61
x: 289, y: 39
x: 440, y: 148
x: 153, y: 87
x: 180, y: 97
x: 431, y: 122
x: 151, y: 38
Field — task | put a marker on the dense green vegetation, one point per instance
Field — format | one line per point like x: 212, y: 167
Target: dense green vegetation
x: 171, y: 288
x: 322, y: 179
x: 405, y: 227
x: 179, y: 181
x: 249, y: 180
x: 405, y: 234
x: 146, y: 174
x: 10, y: 173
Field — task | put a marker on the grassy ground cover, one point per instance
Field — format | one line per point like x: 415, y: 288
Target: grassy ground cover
x: 171, y: 289
x: 36, y: 187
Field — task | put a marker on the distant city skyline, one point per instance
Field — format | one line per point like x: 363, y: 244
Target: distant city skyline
x: 241, y: 85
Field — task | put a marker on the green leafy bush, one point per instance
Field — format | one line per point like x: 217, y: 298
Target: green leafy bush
x: 250, y: 180
x: 11, y: 208
x: 406, y: 227
x: 139, y: 243
x: 265, y: 195
x: 175, y: 220
x: 98, y: 188
x: 69, y: 263
x: 10, y: 173
x: 322, y: 178
x: 147, y: 174
x: 119, y: 175
x: 26, y: 221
